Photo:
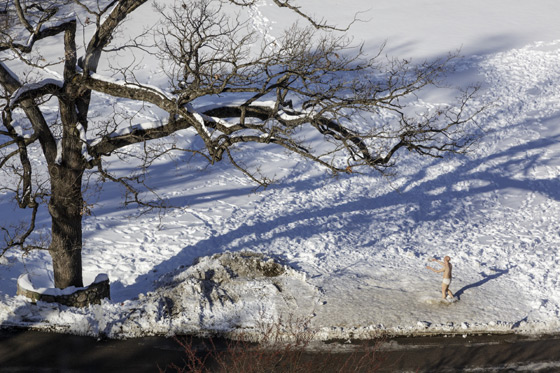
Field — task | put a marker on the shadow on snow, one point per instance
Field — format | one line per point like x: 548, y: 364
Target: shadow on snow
x: 367, y: 211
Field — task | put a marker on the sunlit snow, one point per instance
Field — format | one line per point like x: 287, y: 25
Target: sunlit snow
x: 354, y: 247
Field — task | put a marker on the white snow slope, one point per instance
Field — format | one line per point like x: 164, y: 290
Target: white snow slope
x: 357, y: 244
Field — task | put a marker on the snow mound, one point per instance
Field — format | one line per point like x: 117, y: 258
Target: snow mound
x: 226, y: 292
x: 225, y: 266
x: 226, y: 277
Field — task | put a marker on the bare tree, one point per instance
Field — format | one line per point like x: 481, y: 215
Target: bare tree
x: 310, y: 79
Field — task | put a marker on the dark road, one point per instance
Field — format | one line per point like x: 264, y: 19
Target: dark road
x: 26, y: 351
x: 496, y: 353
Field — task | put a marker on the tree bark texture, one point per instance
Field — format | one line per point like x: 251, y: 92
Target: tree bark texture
x: 65, y: 208
x: 66, y: 203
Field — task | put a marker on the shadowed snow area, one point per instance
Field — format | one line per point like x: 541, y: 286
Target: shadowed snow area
x: 347, y: 253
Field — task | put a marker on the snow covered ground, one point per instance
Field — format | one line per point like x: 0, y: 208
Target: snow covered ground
x: 354, y: 247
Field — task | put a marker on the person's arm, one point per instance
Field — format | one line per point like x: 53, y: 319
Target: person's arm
x: 438, y: 261
x: 435, y: 270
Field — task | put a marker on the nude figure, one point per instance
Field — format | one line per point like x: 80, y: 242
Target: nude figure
x: 447, y: 275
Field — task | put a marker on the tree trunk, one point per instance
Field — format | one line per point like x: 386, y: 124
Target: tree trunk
x: 65, y: 207
x: 66, y: 202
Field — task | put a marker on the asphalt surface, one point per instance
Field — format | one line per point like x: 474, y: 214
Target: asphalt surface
x: 32, y: 351
x: 479, y: 353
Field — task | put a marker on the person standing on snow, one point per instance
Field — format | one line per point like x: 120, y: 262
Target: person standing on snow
x: 447, y: 275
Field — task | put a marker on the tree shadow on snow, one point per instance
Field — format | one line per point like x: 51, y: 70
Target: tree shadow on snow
x: 490, y: 174
x: 433, y: 199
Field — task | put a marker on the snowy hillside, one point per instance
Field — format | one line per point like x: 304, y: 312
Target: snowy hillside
x: 352, y: 249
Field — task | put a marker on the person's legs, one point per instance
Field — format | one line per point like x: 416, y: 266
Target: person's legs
x: 444, y: 289
x: 449, y: 292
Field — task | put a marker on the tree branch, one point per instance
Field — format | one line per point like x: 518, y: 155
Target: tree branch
x: 109, y: 144
x: 105, y: 31
x: 19, y: 238
x: 40, y: 127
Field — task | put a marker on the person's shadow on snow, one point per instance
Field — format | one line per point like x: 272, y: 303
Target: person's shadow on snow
x: 485, y: 279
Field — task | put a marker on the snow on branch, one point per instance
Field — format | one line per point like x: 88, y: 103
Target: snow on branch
x: 43, y: 30
x: 126, y: 89
x: 6, y: 70
x: 58, y: 159
x: 33, y: 90
x: 141, y: 127
x: 83, y: 139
